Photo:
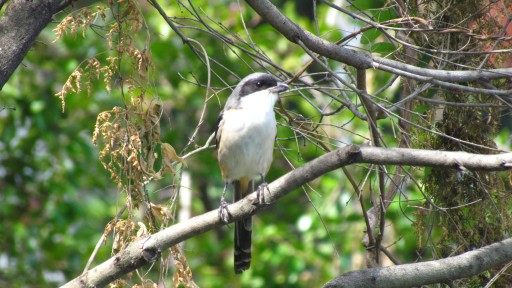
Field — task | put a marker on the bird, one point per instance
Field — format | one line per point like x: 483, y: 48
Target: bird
x: 245, y: 135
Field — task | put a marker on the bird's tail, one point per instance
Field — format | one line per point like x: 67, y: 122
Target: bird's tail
x: 243, y: 229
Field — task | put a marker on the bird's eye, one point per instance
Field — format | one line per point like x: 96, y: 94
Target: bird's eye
x: 259, y: 84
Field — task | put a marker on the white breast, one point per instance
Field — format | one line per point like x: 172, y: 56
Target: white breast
x: 247, y: 137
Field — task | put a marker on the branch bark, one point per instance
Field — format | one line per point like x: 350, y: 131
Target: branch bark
x: 430, y: 272
x: 147, y: 250
x: 360, y: 60
x: 21, y: 22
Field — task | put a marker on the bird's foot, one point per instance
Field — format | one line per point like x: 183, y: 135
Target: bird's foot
x: 224, y: 211
x: 260, y: 193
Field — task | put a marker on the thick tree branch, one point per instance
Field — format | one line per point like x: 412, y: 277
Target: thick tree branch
x: 430, y: 272
x: 147, y: 250
x: 360, y: 60
x: 19, y: 25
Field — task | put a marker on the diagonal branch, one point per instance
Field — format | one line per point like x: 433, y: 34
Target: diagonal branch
x: 148, y: 250
x: 409, y: 275
x: 360, y: 60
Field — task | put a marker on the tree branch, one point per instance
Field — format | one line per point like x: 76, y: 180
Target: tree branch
x: 147, y: 250
x: 19, y: 25
x: 360, y: 60
x: 430, y: 272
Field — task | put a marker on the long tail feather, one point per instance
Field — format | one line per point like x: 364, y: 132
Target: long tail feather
x: 243, y: 230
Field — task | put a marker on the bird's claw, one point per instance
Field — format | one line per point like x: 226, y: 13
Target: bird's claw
x: 260, y: 193
x: 224, y: 211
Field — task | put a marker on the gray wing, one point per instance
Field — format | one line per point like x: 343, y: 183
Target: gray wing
x: 218, y: 128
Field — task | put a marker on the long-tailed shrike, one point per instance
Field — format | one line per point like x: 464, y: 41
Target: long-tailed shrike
x: 246, y: 131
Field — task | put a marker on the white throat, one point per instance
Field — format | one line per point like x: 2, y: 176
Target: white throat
x: 259, y: 102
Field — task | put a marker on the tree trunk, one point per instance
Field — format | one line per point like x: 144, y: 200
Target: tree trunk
x: 20, y: 23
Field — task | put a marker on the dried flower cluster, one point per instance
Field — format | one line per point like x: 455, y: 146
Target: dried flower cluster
x: 128, y: 136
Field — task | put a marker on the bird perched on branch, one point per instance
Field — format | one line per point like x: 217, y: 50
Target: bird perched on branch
x: 246, y: 131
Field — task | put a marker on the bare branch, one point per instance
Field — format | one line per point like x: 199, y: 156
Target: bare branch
x: 360, y: 60
x: 430, y: 272
x: 148, y: 250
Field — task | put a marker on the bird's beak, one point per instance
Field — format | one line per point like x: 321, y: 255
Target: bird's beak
x: 281, y: 87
